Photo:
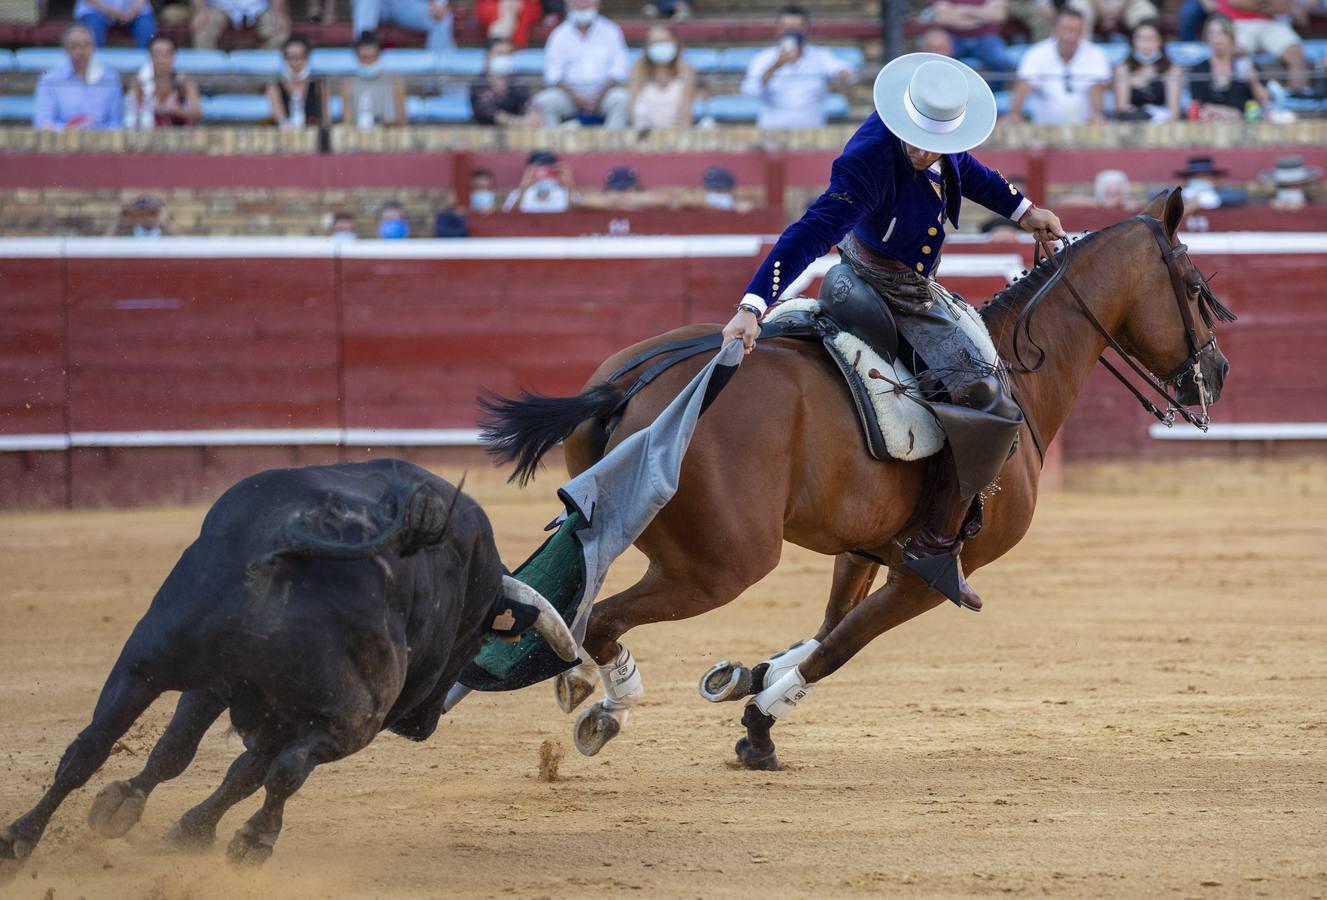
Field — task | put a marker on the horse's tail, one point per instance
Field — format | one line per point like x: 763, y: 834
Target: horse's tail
x: 522, y: 431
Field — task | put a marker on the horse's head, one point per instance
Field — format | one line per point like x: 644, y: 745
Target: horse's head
x: 1170, y: 329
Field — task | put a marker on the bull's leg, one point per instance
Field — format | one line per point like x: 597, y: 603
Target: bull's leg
x: 123, y: 699
x: 120, y: 804
x: 198, y: 826
x: 255, y: 839
x: 727, y: 680
x: 902, y: 597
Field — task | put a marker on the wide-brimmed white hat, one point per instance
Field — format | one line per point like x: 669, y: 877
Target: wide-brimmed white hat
x: 935, y: 103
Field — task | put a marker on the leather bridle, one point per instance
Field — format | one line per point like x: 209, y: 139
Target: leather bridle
x: 1209, y: 307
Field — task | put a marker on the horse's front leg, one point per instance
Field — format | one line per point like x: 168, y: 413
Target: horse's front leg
x: 853, y: 576
x: 901, y: 598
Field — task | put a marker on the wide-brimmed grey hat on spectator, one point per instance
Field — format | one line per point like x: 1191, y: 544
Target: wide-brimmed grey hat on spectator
x: 1290, y: 171
x: 718, y: 178
x: 935, y: 103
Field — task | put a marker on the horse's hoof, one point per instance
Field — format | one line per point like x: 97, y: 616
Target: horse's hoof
x: 13, y: 850
x: 726, y: 681
x: 594, y: 728
x: 248, y: 848
x: 571, y: 690
x: 189, y: 837
x: 117, y: 808
x: 760, y: 760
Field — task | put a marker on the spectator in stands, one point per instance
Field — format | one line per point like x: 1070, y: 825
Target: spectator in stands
x: 1225, y: 83
x: 80, y: 93
x: 1106, y: 18
x: 720, y: 190
x: 793, y: 78
x: 1110, y: 190
x: 268, y: 18
x: 483, y: 192
x: 495, y: 99
x: 509, y: 20
x: 144, y: 217
x: 677, y: 10
x: 433, y: 17
x: 1037, y: 16
x: 298, y: 99
x: 392, y: 225
x: 1193, y: 13
x: 1202, y: 189
x: 161, y: 97
x: 1061, y: 80
x: 662, y: 85
x: 1147, y: 83
x: 1291, y: 177
x: 371, y: 97
x: 546, y: 186
x: 343, y: 226
x: 1256, y: 31
x: 100, y: 16
x: 585, y: 66
x: 974, y: 28
x: 449, y: 223
x: 936, y: 40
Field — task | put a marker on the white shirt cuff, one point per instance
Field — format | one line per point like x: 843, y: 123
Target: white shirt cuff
x: 1022, y: 208
x: 753, y: 300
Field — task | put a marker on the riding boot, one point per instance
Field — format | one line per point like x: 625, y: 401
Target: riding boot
x: 933, y: 549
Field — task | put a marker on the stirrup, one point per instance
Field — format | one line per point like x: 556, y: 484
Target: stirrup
x: 940, y: 573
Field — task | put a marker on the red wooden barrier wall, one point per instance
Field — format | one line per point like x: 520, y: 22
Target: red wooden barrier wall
x: 125, y: 343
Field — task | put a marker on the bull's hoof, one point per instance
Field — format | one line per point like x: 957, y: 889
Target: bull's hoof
x: 117, y: 808
x: 187, y: 836
x: 572, y: 689
x: 596, y: 727
x: 752, y: 757
x: 726, y: 681
x: 249, y: 848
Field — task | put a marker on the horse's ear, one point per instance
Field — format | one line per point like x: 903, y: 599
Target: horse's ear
x: 1156, y: 207
x: 1174, y: 212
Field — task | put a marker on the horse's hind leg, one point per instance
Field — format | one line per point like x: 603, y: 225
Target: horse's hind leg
x: 124, y: 698
x: 120, y: 804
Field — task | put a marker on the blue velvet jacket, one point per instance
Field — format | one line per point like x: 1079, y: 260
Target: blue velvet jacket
x: 891, y: 207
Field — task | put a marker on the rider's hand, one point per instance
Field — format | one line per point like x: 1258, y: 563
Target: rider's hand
x: 1043, y: 224
x: 744, y: 325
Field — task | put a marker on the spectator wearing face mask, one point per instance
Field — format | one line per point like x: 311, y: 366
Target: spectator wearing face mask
x: 585, y: 66
x: 662, y: 84
x: 793, y: 78
x: 343, y: 227
x: 495, y: 99
x: 483, y: 192
x: 546, y: 186
x: 392, y: 225
x: 720, y: 191
x: 144, y: 217
x: 371, y: 97
x: 297, y: 98
x: 1147, y: 83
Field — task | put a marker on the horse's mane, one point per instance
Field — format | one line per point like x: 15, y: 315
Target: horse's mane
x: 1026, y: 285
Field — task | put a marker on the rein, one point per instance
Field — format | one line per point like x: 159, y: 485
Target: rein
x: 1209, y: 306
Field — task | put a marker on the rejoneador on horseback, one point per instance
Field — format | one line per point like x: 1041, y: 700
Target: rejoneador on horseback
x: 899, y: 180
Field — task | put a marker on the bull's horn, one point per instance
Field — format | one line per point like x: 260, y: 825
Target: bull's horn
x: 549, y: 624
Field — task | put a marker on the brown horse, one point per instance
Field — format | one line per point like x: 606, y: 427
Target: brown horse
x: 777, y: 458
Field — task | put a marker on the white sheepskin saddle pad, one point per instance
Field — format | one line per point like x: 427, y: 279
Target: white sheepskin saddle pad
x: 909, y: 429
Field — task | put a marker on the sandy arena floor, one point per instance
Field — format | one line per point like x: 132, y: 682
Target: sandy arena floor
x: 1140, y: 712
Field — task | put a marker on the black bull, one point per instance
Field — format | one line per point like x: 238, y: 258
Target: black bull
x: 320, y: 605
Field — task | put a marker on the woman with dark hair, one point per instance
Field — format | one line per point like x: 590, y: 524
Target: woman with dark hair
x: 297, y: 98
x: 161, y: 97
x: 1225, y: 83
x: 662, y: 86
x: 1147, y: 83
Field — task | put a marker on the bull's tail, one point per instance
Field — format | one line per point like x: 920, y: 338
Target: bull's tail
x: 522, y: 431
x: 402, y: 523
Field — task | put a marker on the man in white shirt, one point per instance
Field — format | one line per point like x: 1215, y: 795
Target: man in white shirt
x: 585, y: 68
x: 793, y: 78
x: 1061, y: 80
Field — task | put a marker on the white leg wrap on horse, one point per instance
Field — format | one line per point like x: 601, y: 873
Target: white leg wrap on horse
x: 622, y: 684
x: 782, y: 663
x: 783, y: 695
